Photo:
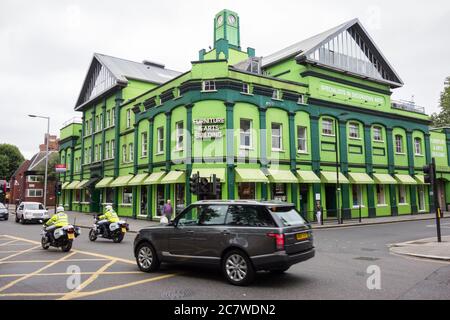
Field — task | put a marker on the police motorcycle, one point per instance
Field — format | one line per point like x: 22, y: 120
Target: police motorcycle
x: 61, y: 237
x: 114, y: 230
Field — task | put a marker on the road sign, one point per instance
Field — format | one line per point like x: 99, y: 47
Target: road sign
x: 60, y: 168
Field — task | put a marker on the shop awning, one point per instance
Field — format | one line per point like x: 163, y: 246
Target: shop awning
x: 420, y: 179
x: 104, y: 183
x: 282, y: 176
x: 138, y: 179
x: 64, y: 185
x: 208, y: 172
x: 250, y: 175
x: 72, y: 185
x: 174, y: 177
x: 307, y: 176
x: 360, y: 178
x: 383, y: 178
x: 90, y: 182
x: 330, y: 177
x: 154, y: 178
x: 121, y: 181
x: 405, y: 179
x: 81, y: 184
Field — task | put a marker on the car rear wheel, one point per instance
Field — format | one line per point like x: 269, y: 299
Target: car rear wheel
x: 146, y: 258
x: 237, y: 268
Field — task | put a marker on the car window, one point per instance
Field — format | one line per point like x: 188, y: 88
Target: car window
x: 213, y: 214
x: 2, y: 206
x: 250, y: 216
x: 34, y: 206
x: 189, y: 217
x: 21, y: 207
x: 288, y: 216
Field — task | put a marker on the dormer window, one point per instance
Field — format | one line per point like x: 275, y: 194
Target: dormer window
x: 209, y: 86
x: 301, y: 99
x: 276, y: 94
x: 245, y: 88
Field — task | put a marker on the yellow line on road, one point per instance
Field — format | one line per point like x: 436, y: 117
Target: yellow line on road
x: 12, y: 283
x: 90, y: 293
x: 30, y: 294
x: 14, y: 275
x: 73, y: 294
x: 43, y: 261
x: 18, y: 253
x: 7, y: 242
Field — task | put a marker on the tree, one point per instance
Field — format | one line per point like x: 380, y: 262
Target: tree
x: 442, y: 119
x: 10, y: 159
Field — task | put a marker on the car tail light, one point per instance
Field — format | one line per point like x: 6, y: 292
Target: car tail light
x: 279, y: 239
x: 70, y: 230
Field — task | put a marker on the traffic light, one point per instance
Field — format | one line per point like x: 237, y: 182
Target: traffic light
x: 217, y: 190
x: 204, y: 186
x: 58, y: 188
x: 193, y: 184
x: 429, y: 173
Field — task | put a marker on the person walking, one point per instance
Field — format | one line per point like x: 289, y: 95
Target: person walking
x: 167, y: 210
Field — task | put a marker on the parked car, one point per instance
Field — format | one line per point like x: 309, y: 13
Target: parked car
x: 4, y: 214
x: 239, y: 236
x: 31, y: 212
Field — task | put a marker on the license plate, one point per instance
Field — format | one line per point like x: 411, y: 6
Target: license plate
x: 302, y: 236
x: 70, y: 236
x: 124, y: 230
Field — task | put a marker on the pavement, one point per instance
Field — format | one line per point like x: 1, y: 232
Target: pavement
x: 428, y: 248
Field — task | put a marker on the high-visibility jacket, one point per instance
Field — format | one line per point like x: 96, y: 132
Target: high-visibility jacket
x: 58, y: 220
x: 109, y: 215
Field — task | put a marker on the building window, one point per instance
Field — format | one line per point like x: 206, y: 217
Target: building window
x: 327, y: 127
x: 353, y: 130
x: 34, y: 193
x: 245, y: 88
x: 108, y: 118
x: 209, y: 85
x: 128, y: 118
x: 107, y: 150
x: 144, y: 144
x: 398, y: 143
x: 247, y: 190
x: 113, y: 148
x: 87, y: 195
x: 34, y: 179
x: 86, y: 127
x: 418, y: 146
x: 246, y: 133
x: 179, y: 131
x: 124, y: 153
x: 90, y: 154
x: 160, y: 140
x: 97, y: 123
x: 130, y: 152
x: 301, y: 99
x: 91, y: 126
x: 113, y: 116
x: 96, y: 153
x: 381, y: 197
x: 101, y: 121
x: 127, y: 195
x: 276, y: 94
x: 401, y: 194
x: 277, y: 139
x: 377, y: 134
x: 301, y: 139
x: 357, y: 195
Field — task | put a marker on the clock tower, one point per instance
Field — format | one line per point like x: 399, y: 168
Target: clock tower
x: 226, y: 27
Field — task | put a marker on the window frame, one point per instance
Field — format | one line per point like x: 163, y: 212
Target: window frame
x: 280, y: 137
x: 305, y: 128
x: 402, y: 151
x: 402, y: 193
x: 179, y: 135
x: 379, y: 203
x: 209, y: 86
x: 144, y: 144
x: 354, y: 125
x: 359, y: 196
x: 331, y: 121
x: 418, y: 142
x: 129, y: 197
x: 242, y: 144
x: 130, y: 152
x: 128, y: 118
x: 160, y: 140
x: 381, y: 134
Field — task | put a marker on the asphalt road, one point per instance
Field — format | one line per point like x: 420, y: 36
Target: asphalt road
x: 108, y: 270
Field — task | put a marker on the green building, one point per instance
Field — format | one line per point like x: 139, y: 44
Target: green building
x: 272, y: 127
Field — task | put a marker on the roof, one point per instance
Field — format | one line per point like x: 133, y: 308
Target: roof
x: 116, y: 71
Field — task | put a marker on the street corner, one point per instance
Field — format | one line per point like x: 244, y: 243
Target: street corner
x: 428, y: 248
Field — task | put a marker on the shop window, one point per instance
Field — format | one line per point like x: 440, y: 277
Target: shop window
x: 418, y: 146
x: 377, y: 134
x: 353, y: 130
x: 109, y: 195
x: 77, y: 195
x: 246, y: 190
x: 398, y: 143
x: 160, y: 140
x: 127, y: 195
x: 246, y: 133
x: 209, y: 85
x: 179, y: 131
x: 277, y: 138
x: 279, y: 192
x: 301, y: 139
x: 159, y: 199
x: 381, y: 196
x: 143, y: 144
x: 179, y: 197
x: 327, y: 127
x: 87, y: 195
x: 402, y: 194
x: 357, y: 195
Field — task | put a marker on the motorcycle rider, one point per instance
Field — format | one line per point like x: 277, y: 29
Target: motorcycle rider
x: 58, y: 220
x: 110, y: 216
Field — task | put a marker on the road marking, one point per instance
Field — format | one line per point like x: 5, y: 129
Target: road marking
x: 90, y: 293
x: 18, y: 253
x: 73, y: 294
x: 30, y: 294
x: 14, y: 275
x: 8, y: 242
x: 12, y: 283
x: 43, y: 261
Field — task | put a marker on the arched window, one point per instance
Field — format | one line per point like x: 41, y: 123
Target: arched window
x: 418, y: 146
x: 377, y: 133
x: 398, y: 143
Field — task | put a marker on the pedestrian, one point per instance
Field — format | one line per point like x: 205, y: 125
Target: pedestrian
x: 167, y: 210
x: 318, y: 213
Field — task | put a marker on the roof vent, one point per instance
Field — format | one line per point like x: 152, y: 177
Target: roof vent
x: 153, y: 64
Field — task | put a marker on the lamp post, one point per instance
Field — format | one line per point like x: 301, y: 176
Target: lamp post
x: 338, y: 188
x: 46, y: 155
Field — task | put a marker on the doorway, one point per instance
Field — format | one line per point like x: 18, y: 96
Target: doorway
x: 330, y: 200
x: 303, y: 199
x: 143, y: 203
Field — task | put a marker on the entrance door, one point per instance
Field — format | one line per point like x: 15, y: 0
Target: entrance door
x: 143, y: 207
x: 303, y: 199
x: 159, y: 199
x: 330, y: 200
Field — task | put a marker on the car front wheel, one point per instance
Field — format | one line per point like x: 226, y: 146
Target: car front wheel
x: 237, y: 268
x: 146, y: 258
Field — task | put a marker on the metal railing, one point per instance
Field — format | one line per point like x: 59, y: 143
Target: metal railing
x: 407, y: 105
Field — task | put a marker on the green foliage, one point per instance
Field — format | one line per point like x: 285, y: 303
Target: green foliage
x: 10, y: 159
x: 442, y: 119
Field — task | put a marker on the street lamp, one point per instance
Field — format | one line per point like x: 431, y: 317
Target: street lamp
x: 338, y: 188
x: 46, y: 154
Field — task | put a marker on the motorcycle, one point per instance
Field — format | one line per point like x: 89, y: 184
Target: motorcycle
x: 62, y: 237
x: 115, y: 231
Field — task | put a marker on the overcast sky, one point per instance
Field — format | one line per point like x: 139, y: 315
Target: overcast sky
x: 46, y: 46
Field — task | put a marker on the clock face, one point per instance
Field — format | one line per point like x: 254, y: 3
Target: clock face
x: 231, y: 19
x: 219, y: 20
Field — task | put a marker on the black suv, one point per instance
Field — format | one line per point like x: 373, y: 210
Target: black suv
x: 240, y: 236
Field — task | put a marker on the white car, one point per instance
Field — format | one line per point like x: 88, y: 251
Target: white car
x: 31, y: 212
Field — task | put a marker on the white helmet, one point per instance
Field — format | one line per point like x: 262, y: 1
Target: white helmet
x: 108, y: 207
x: 59, y: 209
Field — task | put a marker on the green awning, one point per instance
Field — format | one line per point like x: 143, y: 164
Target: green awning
x: 383, y: 178
x: 154, y: 178
x: 282, y: 176
x: 208, y: 172
x: 405, y: 179
x: 104, y: 183
x: 64, y: 185
x: 330, y: 177
x: 72, y: 185
x: 81, y: 184
x: 121, y: 181
x: 307, y: 176
x: 138, y: 179
x: 174, y: 177
x: 250, y: 175
x: 360, y: 178
x: 420, y: 179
